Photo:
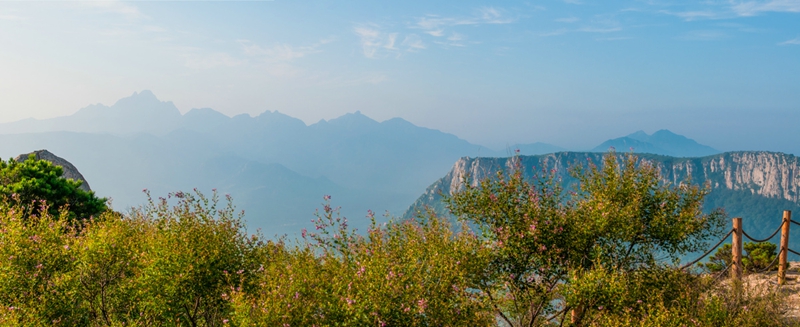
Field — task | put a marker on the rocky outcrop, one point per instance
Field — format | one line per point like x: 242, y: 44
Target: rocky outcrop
x: 70, y: 172
x: 766, y: 174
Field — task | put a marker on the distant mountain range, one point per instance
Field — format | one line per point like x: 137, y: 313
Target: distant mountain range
x: 275, y: 166
x: 662, y: 142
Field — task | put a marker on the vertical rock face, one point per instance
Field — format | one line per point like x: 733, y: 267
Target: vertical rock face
x: 769, y: 174
x: 766, y: 174
x: 70, y: 172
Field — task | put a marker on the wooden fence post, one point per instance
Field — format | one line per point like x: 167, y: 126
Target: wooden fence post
x: 784, y: 249
x: 575, y: 316
x: 736, y: 249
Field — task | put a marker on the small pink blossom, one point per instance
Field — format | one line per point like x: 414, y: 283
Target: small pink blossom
x: 422, y: 305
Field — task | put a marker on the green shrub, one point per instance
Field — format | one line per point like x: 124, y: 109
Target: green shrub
x: 32, y: 183
x: 756, y: 257
x: 554, y: 251
x: 542, y: 254
x: 412, y: 273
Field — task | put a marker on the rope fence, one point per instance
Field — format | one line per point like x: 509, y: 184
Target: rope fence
x: 707, y: 252
x: 769, y: 266
x: 766, y: 239
x: 735, y: 267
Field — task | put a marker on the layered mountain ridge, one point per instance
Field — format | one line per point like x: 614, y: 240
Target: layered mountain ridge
x: 275, y: 166
x: 755, y: 185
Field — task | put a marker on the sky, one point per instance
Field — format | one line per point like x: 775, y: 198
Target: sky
x: 567, y: 72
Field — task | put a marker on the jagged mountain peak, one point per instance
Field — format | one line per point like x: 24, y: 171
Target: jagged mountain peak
x: 353, y: 119
x: 639, y: 135
x: 145, y: 101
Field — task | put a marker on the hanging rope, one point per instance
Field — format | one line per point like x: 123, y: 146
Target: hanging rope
x: 766, y: 239
x: 722, y: 273
x: 793, y: 251
x: 708, y: 252
x: 794, y: 222
x: 770, y: 265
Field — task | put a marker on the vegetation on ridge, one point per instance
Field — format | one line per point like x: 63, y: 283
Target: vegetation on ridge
x: 526, y: 254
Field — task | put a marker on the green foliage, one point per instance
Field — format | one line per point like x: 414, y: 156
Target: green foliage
x: 702, y: 303
x: 756, y: 257
x: 412, y: 273
x: 32, y: 183
x: 186, y: 260
x: 34, y: 283
x: 157, y: 265
x: 550, y: 245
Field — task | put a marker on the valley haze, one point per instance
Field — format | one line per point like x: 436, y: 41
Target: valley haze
x: 275, y: 166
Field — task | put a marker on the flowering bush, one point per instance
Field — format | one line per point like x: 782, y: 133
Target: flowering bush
x: 412, y: 273
x: 542, y: 257
x: 555, y: 251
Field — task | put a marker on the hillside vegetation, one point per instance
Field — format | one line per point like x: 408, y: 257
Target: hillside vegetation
x: 534, y: 255
x: 757, y: 186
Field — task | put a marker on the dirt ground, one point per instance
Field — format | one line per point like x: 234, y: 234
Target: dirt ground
x: 768, y: 282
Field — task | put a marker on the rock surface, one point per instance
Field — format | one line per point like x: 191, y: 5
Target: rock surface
x: 70, y: 172
x: 768, y: 174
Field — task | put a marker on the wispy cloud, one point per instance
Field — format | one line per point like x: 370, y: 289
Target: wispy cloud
x: 413, y: 42
x: 372, y: 39
x: 491, y: 15
x: 437, y: 26
x: 795, y: 41
x: 752, y: 8
x: 391, y: 39
x: 375, y: 42
x: 733, y: 9
x: 282, y: 51
x: 454, y: 40
x: 696, y: 15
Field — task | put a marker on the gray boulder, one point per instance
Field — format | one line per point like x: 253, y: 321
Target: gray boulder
x: 70, y: 172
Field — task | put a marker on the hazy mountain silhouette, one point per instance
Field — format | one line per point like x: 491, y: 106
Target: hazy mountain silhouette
x: 140, y: 113
x: 661, y: 142
x: 275, y: 166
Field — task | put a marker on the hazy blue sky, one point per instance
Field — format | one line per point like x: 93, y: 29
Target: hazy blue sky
x: 567, y: 72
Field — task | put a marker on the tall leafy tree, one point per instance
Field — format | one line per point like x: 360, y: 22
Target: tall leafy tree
x: 557, y: 250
